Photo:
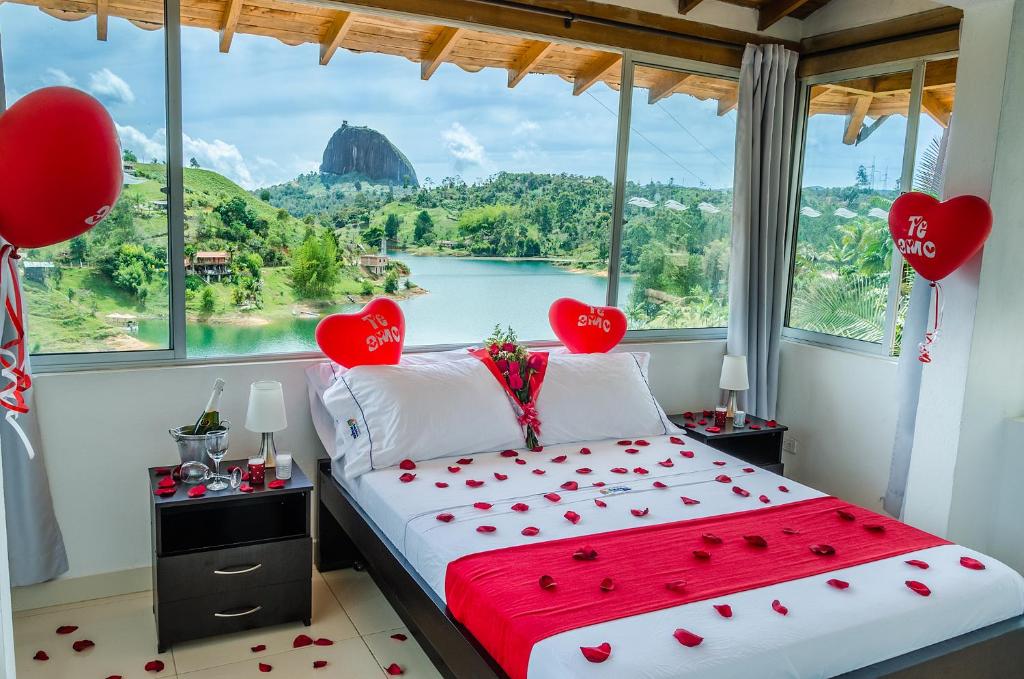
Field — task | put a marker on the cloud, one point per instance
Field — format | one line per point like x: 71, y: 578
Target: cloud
x: 465, y: 148
x: 526, y: 127
x: 145, y: 148
x: 107, y: 85
x: 55, y: 76
x: 219, y: 156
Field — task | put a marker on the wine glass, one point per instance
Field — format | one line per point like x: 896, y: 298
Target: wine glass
x: 217, y: 448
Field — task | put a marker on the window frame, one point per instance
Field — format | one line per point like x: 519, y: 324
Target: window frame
x: 917, y: 67
x: 176, y: 354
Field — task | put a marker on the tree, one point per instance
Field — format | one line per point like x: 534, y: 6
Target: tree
x: 424, y: 226
x: 265, y: 196
x: 863, y: 181
x: 130, y: 268
x: 207, y: 300
x: 391, y: 224
x: 391, y: 283
x: 129, y: 156
x: 78, y: 250
x: 192, y: 162
x: 315, y: 269
x: 372, y: 236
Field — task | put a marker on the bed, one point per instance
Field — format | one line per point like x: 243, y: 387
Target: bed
x: 435, y: 536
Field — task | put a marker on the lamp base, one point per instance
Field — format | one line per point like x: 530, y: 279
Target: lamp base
x: 268, y: 451
x: 731, y: 409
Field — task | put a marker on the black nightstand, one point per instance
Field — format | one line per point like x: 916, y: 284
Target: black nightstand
x: 230, y: 561
x: 761, y: 447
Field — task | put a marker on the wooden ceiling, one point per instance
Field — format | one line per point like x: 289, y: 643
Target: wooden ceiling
x: 768, y: 11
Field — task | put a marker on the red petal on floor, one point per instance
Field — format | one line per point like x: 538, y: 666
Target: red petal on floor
x: 584, y: 470
x: 485, y: 529
x: 686, y: 453
x: 407, y: 464
x: 464, y: 460
x: 547, y: 582
x: 585, y: 554
x: 741, y: 491
x: 509, y: 453
x: 722, y: 478
x: 501, y: 477
x: 473, y: 483
x: 764, y: 498
x: 640, y: 470
x: 404, y: 478
x: 918, y: 587
x: 66, y: 629
x: 259, y: 648
x: 539, y: 472
x: 676, y: 586
x: 440, y: 484
x: 553, y: 497
x: 154, y: 666
x: 823, y: 550
x: 446, y: 517
x: 632, y: 451
x: 264, y: 667
x: 597, y: 653
x: 917, y: 563
x: 319, y: 664
x: 483, y: 505
x: 41, y: 656
x: 399, y: 637
x: 584, y: 451
x: 779, y: 608
x: 687, y: 638
x: 784, y: 489
x: 625, y: 442
x: 559, y: 459
x: 659, y: 484
x: 572, y: 517
x: 667, y: 462
x: 711, y: 538
x: 701, y: 554
x: 519, y: 507
x: 394, y: 669
x: 197, y: 491
x: 973, y: 564
x: 600, y: 503
x: 530, y: 531
x: 570, y: 485
x: 837, y: 583
x: 454, y: 469
x: 607, y: 585
x: 676, y: 440
x: 302, y: 640
x: 82, y: 644
x: 724, y: 610
x: 640, y: 512
x: 689, y: 501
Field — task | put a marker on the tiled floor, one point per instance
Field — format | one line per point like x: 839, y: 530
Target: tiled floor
x: 347, y: 609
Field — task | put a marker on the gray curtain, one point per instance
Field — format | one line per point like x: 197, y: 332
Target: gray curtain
x: 34, y: 543
x: 761, y: 237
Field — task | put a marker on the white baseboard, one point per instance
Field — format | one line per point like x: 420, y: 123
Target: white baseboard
x: 72, y: 590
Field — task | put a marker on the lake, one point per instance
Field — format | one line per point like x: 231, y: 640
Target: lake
x: 465, y: 298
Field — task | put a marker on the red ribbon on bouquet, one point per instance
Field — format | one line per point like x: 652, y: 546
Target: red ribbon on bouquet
x: 527, y: 416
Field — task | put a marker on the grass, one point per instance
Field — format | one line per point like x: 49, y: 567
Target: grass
x: 445, y: 225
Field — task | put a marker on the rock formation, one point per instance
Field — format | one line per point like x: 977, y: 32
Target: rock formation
x: 369, y: 154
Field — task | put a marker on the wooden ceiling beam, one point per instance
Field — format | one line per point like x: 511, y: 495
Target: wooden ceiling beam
x: 102, y: 15
x: 228, y: 23
x: 335, y: 34
x: 439, y: 50
x: 771, y: 12
x: 858, y: 111
x: 525, y: 62
x: 666, y: 86
x: 593, y: 71
x: 728, y: 102
x: 936, y: 108
x: 686, y: 5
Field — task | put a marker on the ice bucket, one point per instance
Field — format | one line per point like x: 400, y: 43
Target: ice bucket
x: 192, y: 448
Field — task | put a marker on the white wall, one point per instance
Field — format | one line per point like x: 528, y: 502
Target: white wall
x: 840, y: 408
x: 102, y: 429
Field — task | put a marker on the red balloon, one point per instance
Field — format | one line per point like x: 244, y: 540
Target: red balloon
x: 937, y: 238
x: 586, y: 329
x: 373, y: 336
x: 60, y: 167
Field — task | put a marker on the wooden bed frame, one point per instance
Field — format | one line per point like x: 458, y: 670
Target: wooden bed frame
x: 348, y: 537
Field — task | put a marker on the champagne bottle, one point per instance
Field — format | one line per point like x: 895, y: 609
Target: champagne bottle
x: 210, y: 419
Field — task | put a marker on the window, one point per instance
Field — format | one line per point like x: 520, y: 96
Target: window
x: 857, y: 135
x: 107, y: 290
x: 678, y: 200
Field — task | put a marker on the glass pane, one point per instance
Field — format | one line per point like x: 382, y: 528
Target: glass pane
x: 107, y: 289
x: 310, y: 189
x: 678, y: 212
x: 853, y: 159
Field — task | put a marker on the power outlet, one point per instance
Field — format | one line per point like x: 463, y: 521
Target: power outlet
x: 790, y: 445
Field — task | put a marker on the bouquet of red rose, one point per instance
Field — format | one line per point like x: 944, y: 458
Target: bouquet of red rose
x: 520, y: 371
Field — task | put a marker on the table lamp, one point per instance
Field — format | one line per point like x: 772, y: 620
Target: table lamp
x: 266, y: 415
x: 734, y: 378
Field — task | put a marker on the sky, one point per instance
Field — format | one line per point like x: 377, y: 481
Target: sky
x: 263, y: 113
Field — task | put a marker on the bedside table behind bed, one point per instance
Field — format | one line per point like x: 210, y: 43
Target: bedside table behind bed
x: 760, y: 447
x: 230, y: 561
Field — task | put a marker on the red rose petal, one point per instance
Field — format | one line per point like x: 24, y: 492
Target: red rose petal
x: 483, y: 505
x: 713, y: 430
x: 640, y: 470
x: 400, y: 636
x: 711, y: 538
x: 82, y: 644
x: 552, y: 497
x: 302, y: 640
x: 520, y: 460
x: 319, y: 664
x: 741, y: 491
x: 707, y: 412
x: 689, y: 501
x: 473, y: 483
x: 539, y: 472
x: 676, y: 440
x: 446, y: 517
x: 689, y: 425
x: 973, y: 564
x: 918, y: 587
x: 166, y: 482
x: 454, y: 469
x: 464, y: 461
x: 837, y: 583
x: 259, y: 648
x: 917, y: 563
x: 407, y: 465
x: 687, y: 638
x: 245, y: 476
x: 755, y: 426
x: 66, y: 629
x: 823, y: 550
x: 845, y: 515
x: 485, y: 529
x: 500, y: 477
x: 607, y: 585
x: 585, y: 554
x: 572, y: 517
x: 701, y: 554
x: 547, y: 582
x: 625, y: 442
x: 519, y: 507
x: 162, y: 471
x: 600, y: 503
x: 597, y: 654
x: 264, y: 667
x: 559, y: 459
x: 702, y: 422
x: 394, y: 669
x: 755, y: 540
x: 537, y: 449
x: 686, y: 453
x: 598, y: 484
x: 724, y: 610
x: 748, y: 470
x: 584, y: 470
x: 619, y: 470
x: 530, y: 531
x: 676, y: 586
x: 659, y: 484
x: 570, y: 485
x: 772, y: 423
x: 779, y: 608
x: 277, y: 484
x: 722, y: 478
x: 165, y: 492
x: 509, y: 453
x: 632, y: 451
x: 246, y: 488
x: 783, y: 489
x: 667, y: 462
x: 41, y: 656
x: 640, y: 512
x: 764, y: 498
x: 584, y: 451
x: 440, y: 484
x: 719, y: 463
x: 404, y: 478
x: 791, y: 531
x: 154, y: 666
x: 197, y: 491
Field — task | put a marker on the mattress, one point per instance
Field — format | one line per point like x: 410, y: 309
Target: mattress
x: 826, y: 633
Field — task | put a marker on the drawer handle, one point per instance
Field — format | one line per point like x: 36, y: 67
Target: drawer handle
x: 240, y: 614
x: 239, y: 571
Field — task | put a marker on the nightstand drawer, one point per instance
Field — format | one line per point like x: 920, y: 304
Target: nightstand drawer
x: 237, y: 568
x: 233, y: 611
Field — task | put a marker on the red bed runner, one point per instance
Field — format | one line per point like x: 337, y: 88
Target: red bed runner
x: 497, y: 595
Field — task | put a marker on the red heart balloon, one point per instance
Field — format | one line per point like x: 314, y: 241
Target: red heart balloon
x: 937, y: 238
x: 586, y: 329
x: 373, y: 336
x: 60, y: 167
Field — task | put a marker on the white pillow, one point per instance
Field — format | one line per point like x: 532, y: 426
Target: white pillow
x: 586, y: 397
x: 385, y: 413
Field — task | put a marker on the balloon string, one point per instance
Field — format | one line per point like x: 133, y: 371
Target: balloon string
x: 12, y: 353
x: 931, y: 337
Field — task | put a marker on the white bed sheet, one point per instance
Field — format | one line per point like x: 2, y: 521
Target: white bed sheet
x: 827, y: 631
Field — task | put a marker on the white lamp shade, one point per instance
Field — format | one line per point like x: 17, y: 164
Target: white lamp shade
x: 734, y: 373
x: 266, y: 407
